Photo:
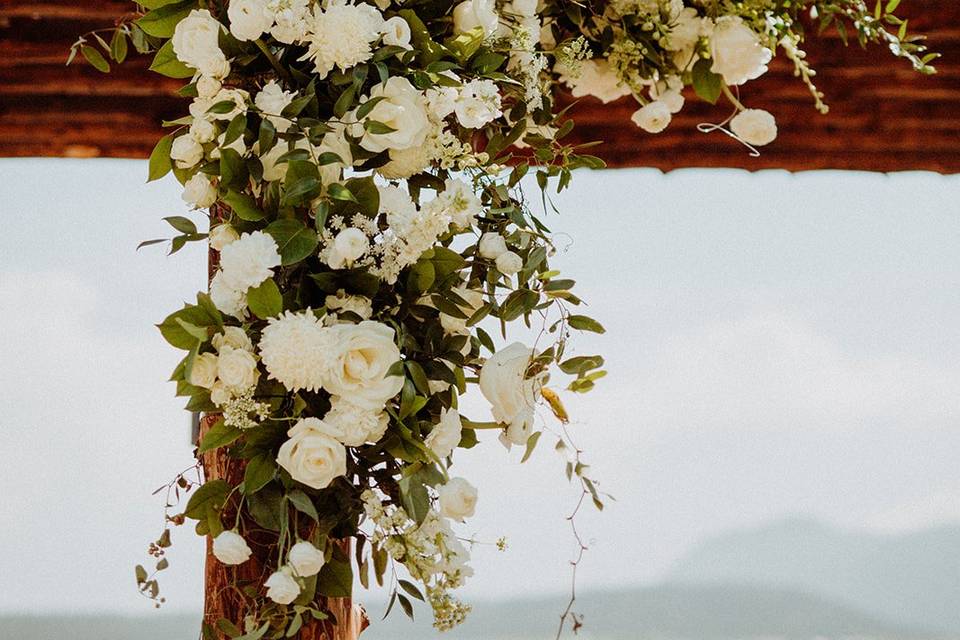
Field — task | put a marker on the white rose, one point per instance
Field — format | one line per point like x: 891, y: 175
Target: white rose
x: 219, y: 394
x: 365, y: 352
x: 196, y: 43
x: 203, y: 372
x: 597, y: 78
x: 653, y: 117
x: 737, y: 53
x: 755, y: 126
x: 396, y: 33
x: 492, y: 245
x: 208, y: 87
x: 291, y: 21
x: 249, y: 18
x: 472, y: 14
x: 342, y: 302
x: 199, y: 191
x: 249, y: 261
x: 312, y: 456
x: 526, y: 8
x: 403, y: 109
x: 355, y: 426
x: 186, y: 151
x: 238, y: 97
x: 512, y: 396
x: 230, y: 548
x: 305, y: 559
x: 238, y: 145
x: 446, y: 434
x: 234, y: 337
x: 509, y: 263
x: 230, y: 301
x: 272, y: 100
x: 222, y: 235
x: 237, y: 368
x: 458, y: 326
x: 281, y: 587
x: 203, y: 131
x: 348, y: 246
x: 458, y: 499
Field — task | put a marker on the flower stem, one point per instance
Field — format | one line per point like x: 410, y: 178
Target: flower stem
x: 273, y: 60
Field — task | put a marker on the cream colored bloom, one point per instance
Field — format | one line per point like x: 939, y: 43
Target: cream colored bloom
x: 249, y: 261
x: 355, y: 426
x: 296, y: 349
x: 364, y: 353
x: 403, y: 109
x: 512, y: 396
x: 230, y: 548
x: 492, y: 245
x: 249, y: 18
x: 755, y: 126
x: 509, y: 263
x: 312, y: 456
x: 653, y: 117
x: 396, y: 32
x: 458, y: 499
x: 233, y: 337
x: 738, y: 54
x: 237, y: 368
x: 186, y: 152
x: 203, y: 372
x: 446, y: 434
x: 196, y: 43
x: 272, y: 100
x: 199, y: 191
x: 281, y: 587
x: 473, y: 14
x: 597, y: 78
x: 305, y: 559
x: 222, y: 235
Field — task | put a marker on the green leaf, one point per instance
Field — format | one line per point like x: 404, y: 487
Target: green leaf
x: 412, y: 589
x: 414, y: 497
x: 162, y: 21
x: 210, y: 496
x: 166, y: 63
x: 584, y: 323
x: 295, y: 241
x: 531, y: 445
x: 265, y: 300
x: 340, y: 192
x: 706, y: 83
x: 219, y: 435
x: 118, y: 46
x: 95, y: 58
x: 175, y: 333
x: 335, y: 579
x: 244, y: 206
x: 235, y: 129
x: 160, y: 162
x: 377, y: 128
x: 302, y: 503
x: 181, y: 224
x: 266, y: 507
x: 260, y: 470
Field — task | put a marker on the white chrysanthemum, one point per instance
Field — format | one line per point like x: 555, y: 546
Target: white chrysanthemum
x: 353, y: 425
x: 341, y: 36
x: 296, y: 350
x: 248, y: 261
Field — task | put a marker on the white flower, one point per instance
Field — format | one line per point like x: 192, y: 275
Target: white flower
x: 208, y: 87
x: 478, y: 104
x: 341, y: 302
x: 186, y: 151
x: 687, y: 30
x: 737, y: 53
x: 403, y: 109
x: 219, y: 394
x: 399, y: 207
x: 755, y: 126
x: 305, y: 559
x: 396, y: 32
x: 248, y: 261
x: 353, y: 425
x: 272, y: 100
x: 312, y: 455
x: 473, y: 14
x: 227, y: 299
x: 509, y: 263
x: 222, y: 235
x: 295, y: 349
x: 525, y: 8
x: 348, y: 246
x: 233, y: 337
x: 653, y: 117
x: 458, y: 499
x: 249, y: 18
x: 238, y: 97
x: 237, y: 368
x: 281, y: 587
x: 446, y: 434
x: 203, y: 131
x: 597, y: 78
x: 363, y: 354
x: 458, y: 326
x: 442, y: 100
x: 341, y: 36
x: 230, y: 548
x: 203, y: 372
x: 668, y: 91
x: 492, y: 245
x: 512, y: 396
x: 196, y: 43
x: 462, y: 204
x: 406, y: 162
x: 238, y: 145
x: 199, y: 191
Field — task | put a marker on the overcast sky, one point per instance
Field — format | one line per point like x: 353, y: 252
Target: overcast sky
x: 777, y: 345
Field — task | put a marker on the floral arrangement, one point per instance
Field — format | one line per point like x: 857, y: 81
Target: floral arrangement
x: 361, y: 162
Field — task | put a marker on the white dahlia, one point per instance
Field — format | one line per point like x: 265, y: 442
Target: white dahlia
x: 295, y: 348
x: 342, y: 35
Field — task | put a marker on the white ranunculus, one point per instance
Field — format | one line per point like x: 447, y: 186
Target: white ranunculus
x: 196, y: 43
x: 272, y: 100
x: 203, y: 372
x: 509, y: 263
x: 492, y: 245
x: 203, y: 131
x: 403, y: 109
x: 348, y: 246
x: 396, y: 32
x: 199, y: 191
x: 233, y: 337
x: 305, y: 559
x: 208, y: 87
x: 512, y: 396
x: 186, y: 152
x: 446, y: 434
x: 472, y: 14
x: 312, y: 456
x: 249, y: 18
x: 755, y: 126
x: 597, y: 78
x: 222, y: 235
x: 458, y: 499
x: 237, y: 368
x: 230, y: 301
x: 281, y: 586
x: 342, y: 302
x: 737, y: 52
x: 230, y: 548
x: 653, y: 117
x: 364, y: 354
x: 355, y: 426
x: 296, y: 349
x: 249, y: 261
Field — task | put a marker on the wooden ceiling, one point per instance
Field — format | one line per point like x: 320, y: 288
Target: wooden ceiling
x: 884, y: 116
